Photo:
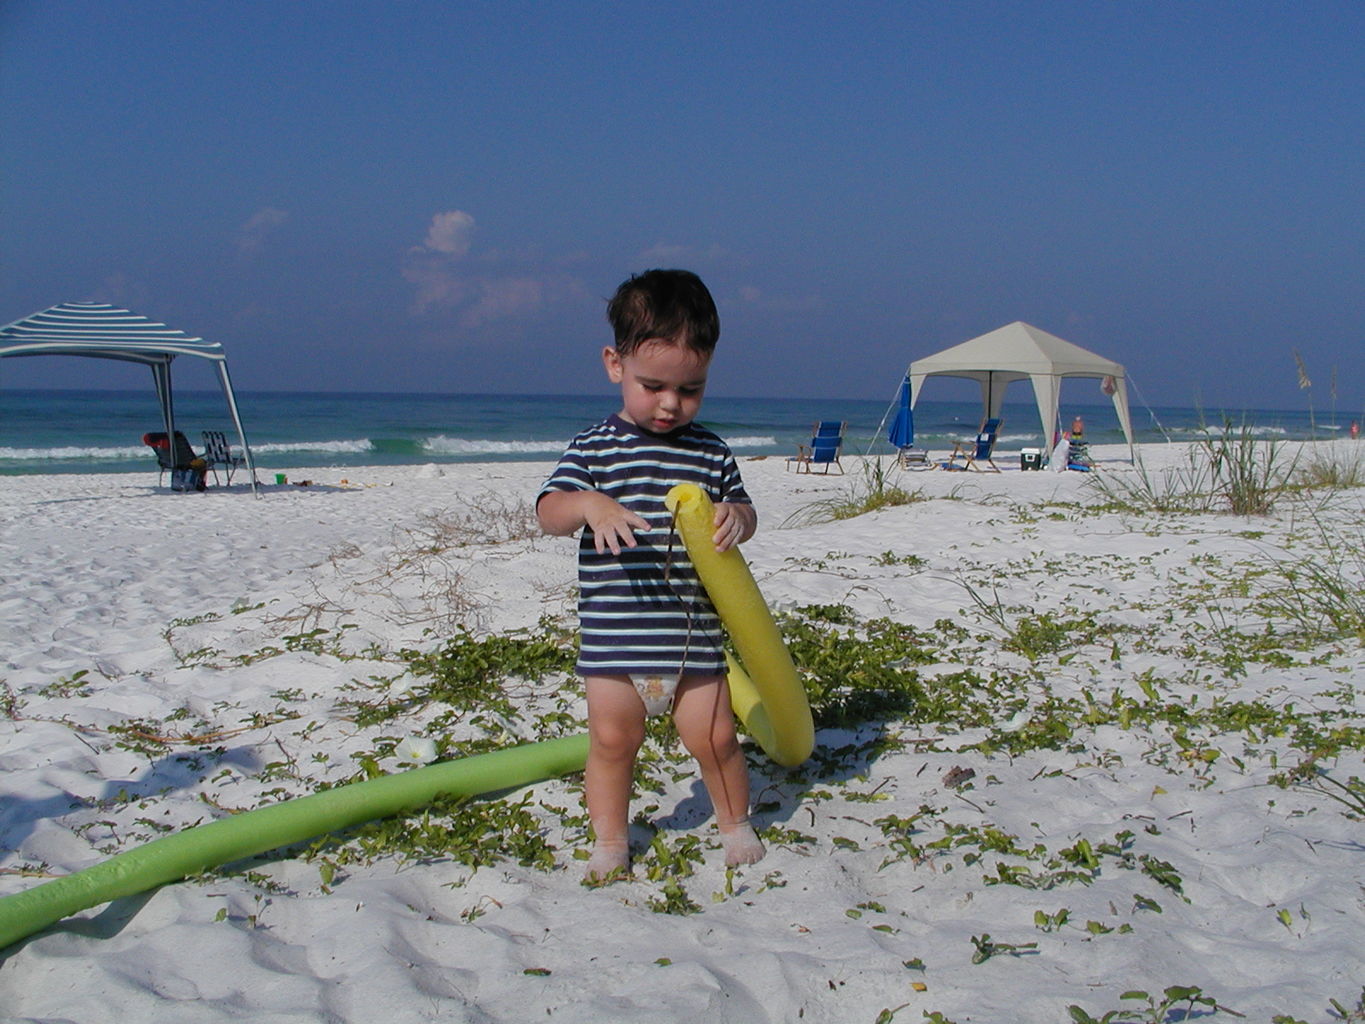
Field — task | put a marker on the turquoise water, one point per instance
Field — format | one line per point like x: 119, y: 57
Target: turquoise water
x: 58, y: 431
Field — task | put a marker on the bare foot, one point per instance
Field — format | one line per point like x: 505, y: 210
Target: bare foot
x: 741, y: 843
x: 610, y: 859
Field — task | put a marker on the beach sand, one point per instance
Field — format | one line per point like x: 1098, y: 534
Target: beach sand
x: 170, y: 658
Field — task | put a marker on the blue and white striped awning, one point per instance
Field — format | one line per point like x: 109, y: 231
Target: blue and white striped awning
x: 108, y: 332
x: 98, y: 329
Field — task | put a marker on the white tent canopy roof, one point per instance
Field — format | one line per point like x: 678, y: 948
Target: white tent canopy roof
x: 1019, y: 351
x: 108, y: 332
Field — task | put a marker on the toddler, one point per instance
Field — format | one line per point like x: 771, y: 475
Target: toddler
x: 651, y: 640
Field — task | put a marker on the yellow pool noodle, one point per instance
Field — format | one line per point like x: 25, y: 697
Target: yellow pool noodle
x: 765, y: 690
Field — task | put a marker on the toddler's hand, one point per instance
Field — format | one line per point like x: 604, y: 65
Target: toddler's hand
x: 735, y: 523
x: 613, y: 525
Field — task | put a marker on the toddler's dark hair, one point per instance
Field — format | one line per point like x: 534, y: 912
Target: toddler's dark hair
x: 670, y: 305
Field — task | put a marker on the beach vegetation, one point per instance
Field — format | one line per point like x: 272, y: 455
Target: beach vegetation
x: 421, y: 578
x: 1328, y: 467
x: 1180, y: 999
x: 1355, y: 1015
x: 986, y: 948
x: 1310, y: 775
x: 73, y: 685
x: 1051, y: 922
x: 469, y: 674
x: 422, y: 575
x: 1035, y: 636
x: 1323, y: 593
x: 888, y: 559
x: 1181, y: 488
x: 835, y: 563
x: 872, y: 492
x: 1246, y: 473
x: 194, y: 620
x: 10, y: 703
x: 473, y: 833
x: 1229, y: 470
x: 668, y: 866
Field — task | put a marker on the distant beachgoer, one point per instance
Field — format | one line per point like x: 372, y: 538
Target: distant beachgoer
x: 1355, y: 429
x: 651, y: 640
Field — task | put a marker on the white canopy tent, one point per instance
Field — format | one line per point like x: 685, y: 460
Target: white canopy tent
x: 1018, y: 351
x: 107, y: 332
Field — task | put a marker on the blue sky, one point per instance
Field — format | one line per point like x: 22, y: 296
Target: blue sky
x: 439, y: 196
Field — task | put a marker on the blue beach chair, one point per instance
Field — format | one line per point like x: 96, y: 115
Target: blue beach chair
x: 977, y: 450
x: 827, y: 441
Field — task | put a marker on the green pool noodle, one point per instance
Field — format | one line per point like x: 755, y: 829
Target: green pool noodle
x: 178, y: 856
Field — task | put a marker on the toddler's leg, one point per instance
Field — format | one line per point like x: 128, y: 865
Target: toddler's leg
x: 616, y: 728
x: 706, y: 726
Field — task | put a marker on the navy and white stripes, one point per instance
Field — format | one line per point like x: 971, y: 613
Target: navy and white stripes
x: 644, y: 611
x: 96, y: 328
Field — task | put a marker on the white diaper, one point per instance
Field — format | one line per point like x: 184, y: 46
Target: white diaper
x: 656, y: 691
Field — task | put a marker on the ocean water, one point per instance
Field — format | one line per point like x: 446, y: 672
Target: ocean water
x: 70, y: 431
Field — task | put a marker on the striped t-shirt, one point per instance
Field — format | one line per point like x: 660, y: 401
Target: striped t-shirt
x: 644, y: 611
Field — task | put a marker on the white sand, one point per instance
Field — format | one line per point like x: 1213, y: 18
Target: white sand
x: 136, y: 588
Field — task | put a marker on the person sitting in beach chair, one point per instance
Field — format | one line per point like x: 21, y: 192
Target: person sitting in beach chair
x: 188, y: 470
x: 217, y: 453
x: 827, y: 441
x: 977, y: 450
x: 1078, y: 449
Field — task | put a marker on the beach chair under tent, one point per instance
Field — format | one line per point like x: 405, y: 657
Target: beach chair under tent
x: 977, y: 450
x: 217, y: 453
x: 186, y: 468
x: 827, y: 441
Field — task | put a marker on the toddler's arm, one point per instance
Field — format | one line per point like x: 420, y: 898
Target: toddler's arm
x: 613, y: 525
x: 736, y: 522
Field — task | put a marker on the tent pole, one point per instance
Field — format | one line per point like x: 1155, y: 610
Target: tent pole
x: 226, y: 382
x: 161, y: 374
x: 1120, y: 399
x: 885, y: 416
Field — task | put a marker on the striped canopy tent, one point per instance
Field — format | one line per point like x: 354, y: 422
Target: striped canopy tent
x: 107, y: 332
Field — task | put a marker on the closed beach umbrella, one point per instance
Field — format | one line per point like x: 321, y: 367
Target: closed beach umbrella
x: 902, y: 432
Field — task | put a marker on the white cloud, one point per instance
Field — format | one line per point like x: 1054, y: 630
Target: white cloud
x: 505, y: 297
x: 450, y: 233
x: 438, y: 284
x: 251, y: 236
x: 441, y: 270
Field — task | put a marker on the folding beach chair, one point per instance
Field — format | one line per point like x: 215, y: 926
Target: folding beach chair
x: 901, y: 433
x: 187, y: 469
x: 827, y: 441
x: 911, y: 457
x: 977, y: 450
x: 217, y: 453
